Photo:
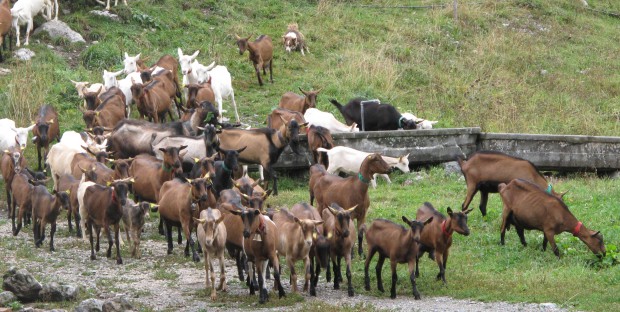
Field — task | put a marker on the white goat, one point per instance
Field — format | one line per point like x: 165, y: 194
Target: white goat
x: 23, y: 13
x: 107, y: 3
x: 348, y: 160
x: 61, y: 154
x: 130, y: 65
x: 85, y: 86
x: 11, y: 136
x: 109, y: 81
x: 422, y: 123
x: 327, y: 120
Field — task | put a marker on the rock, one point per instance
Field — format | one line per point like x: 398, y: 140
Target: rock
x: 22, y: 284
x: 452, y: 167
x: 54, y: 292
x: 543, y: 72
x: 107, y: 14
x: 59, y: 29
x: 615, y: 175
x: 23, y: 54
x: 549, y: 306
x: 6, y: 297
x: 90, y: 305
x: 117, y: 304
x: 4, y: 71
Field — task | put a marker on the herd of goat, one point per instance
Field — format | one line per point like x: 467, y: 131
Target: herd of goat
x: 189, y: 171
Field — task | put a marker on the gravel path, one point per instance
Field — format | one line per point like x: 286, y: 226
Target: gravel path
x: 160, y: 282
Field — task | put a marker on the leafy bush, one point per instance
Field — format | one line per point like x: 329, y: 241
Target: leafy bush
x: 611, y: 258
x: 100, y: 56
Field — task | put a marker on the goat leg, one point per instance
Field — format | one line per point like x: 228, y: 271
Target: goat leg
x: 349, y: 282
x: 416, y: 293
x: 92, y: 249
x: 484, y: 199
x: 378, y: 269
x: 52, y: 232
x: 394, y: 279
x: 106, y: 230
x: 168, y: 236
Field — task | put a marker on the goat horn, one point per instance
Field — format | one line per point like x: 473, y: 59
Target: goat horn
x: 319, y: 90
x: 201, y: 221
x: 352, y: 208
x: 332, y: 210
x: 266, y: 194
x: 237, y: 36
x: 237, y: 185
x: 190, y: 180
x: 302, y: 91
x: 110, y: 160
x: 255, y: 183
x: 196, y: 159
x: 83, y: 170
x: 245, y: 196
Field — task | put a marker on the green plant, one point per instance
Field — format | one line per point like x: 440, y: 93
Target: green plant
x: 15, y: 305
x: 611, y: 258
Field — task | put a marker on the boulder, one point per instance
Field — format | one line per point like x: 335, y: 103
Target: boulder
x: 117, y: 304
x: 106, y: 14
x: 55, y: 292
x: 6, y: 297
x: 59, y: 29
x: 23, y: 54
x: 452, y: 167
x: 22, y: 284
x: 90, y: 305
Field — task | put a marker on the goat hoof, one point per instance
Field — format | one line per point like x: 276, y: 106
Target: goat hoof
x: 313, y: 292
x: 93, y: 257
x: 196, y: 258
x: 336, y: 286
x: 119, y: 261
x: 52, y: 249
x: 393, y: 296
x: 351, y: 292
x: 378, y: 288
x: 169, y: 251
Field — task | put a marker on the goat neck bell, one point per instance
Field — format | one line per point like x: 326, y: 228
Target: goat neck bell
x: 259, y: 230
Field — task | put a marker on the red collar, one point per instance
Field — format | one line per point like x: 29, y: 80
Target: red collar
x: 307, y: 130
x: 577, y: 228
x: 261, y: 226
x: 443, y: 229
x: 113, y: 196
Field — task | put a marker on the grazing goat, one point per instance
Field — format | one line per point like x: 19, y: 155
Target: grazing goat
x: 179, y: 202
x: 436, y: 238
x: 348, y: 160
x: 351, y: 191
x: 339, y: 229
x: 107, y: 3
x: 297, y: 103
x: 24, y: 11
x: 11, y: 136
x: 282, y: 116
x: 211, y: 235
x: 5, y: 26
x: 45, y: 130
x: 294, y: 40
x: 315, y: 117
x: 377, y: 116
x: 295, y: 238
x: 319, y: 137
x: 485, y: 170
x: 422, y: 123
x: 397, y: 243
x: 264, y: 145
x: 132, y: 137
x: 320, y: 245
x: 261, y: 54
x: 45, y: 209
x: 260, y: 239
x: 529, y: 207
x: 104, y: 206
x: 133, y: 221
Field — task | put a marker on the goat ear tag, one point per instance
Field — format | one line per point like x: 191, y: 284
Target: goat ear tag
x: 257, y: 238
x: 329, y: 235
x: 314, y: 235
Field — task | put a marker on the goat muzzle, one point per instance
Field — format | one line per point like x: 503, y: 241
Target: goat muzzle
x: 246, y: 234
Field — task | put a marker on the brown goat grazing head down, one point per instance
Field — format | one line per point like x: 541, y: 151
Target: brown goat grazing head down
x: 242, y: 43
x: 417, y: 226
x: 458, y: 221
x: 592, y: 239
x: 310, y: 100
x: 213, y: 218
x: 343, y: 218
x: 252, y: 221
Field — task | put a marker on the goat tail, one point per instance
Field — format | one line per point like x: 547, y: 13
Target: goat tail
x: 338, y: 105
x: 320, y: 149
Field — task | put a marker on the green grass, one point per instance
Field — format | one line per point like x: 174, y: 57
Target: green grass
x: 529, y: 66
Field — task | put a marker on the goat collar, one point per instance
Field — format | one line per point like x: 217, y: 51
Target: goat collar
x: 166, y: 168
x: 114, y: 199
x: 226, y: 168
x: 443, y: 229
x: 361, y: 177
x: 577, y: 228
x: 261, y: 226
x: 400, y: 121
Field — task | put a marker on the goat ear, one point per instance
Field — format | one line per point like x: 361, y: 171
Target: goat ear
x: 218, y: 221
x: 429, y: 220
x: 297, y: 220
x: 318, y: 222
x: 126, y: 55
x: 449, y: 210
x: 468, y: 210
x: 561, y: 195
x: 245, y: 196
x: 406, y: 220
x: 179, y: 52
x: 162, y: 149
x: 138, y: 56
x: 597, y: 233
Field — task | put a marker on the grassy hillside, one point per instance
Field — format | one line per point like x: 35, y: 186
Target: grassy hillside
x: 529, y: 66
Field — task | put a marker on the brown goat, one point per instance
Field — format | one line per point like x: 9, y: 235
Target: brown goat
x: 260, y: 240
x: 178, y: 202
x: 261, y: 53
x: 397, y: 243
x: 111, y: 111
x: 320, y: 245
x: 211, y: 235
x: 298, y: 103
x: 529, y: 207
x: 45, y: 209
x: 436, y: 237
x: 69, y: 184
x: 171, y: 64
x: 92, y: 100
x: 231, y: 201
x: 45, y: 130
x: 133, y: 221
x: 295, y: 238
x: 317, y: 171
x: 484, y: 171
x: 197, y: 93
x: 5, y: 26
x: 252, y: 194
x: 150, y: 173
x: 152, y: 100
x: 351, y: 191
x: 104, y: 206
x: 82, y: 160
x: 11, y: 162
x: 281, y: 116
x: 319, y: 137
x: 21, y: 188
x: 338, y: 228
